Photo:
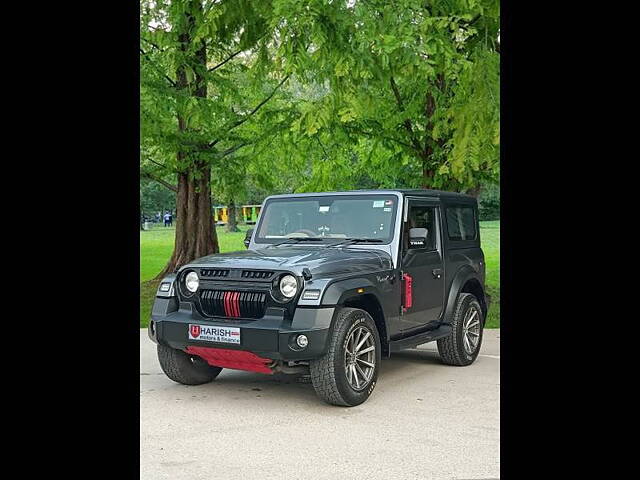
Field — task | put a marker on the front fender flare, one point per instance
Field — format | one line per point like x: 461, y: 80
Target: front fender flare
x: 337, y: 292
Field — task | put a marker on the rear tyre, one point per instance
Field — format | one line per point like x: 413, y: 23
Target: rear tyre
x: 347, y: 374
x: 462, y: 346
x: 184, y: 368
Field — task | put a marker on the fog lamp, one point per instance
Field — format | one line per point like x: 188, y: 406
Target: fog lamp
x: 302, y: 341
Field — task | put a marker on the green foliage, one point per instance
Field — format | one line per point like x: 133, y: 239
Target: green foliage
x: 413, y: 89
x: 489, y: 202
x: 155, y: 198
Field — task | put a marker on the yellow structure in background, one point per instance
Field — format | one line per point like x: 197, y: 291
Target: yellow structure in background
x: 248, y: 214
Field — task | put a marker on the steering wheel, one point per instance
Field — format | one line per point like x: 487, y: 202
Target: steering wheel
x: 308, y: 233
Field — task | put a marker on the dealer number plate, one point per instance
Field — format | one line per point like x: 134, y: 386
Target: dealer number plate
x: 207, y: 333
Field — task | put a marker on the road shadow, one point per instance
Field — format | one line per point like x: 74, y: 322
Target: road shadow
x: 234, y: 385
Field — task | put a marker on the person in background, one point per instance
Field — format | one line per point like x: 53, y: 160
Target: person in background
x: 167, y: 219
x: 170, y: 219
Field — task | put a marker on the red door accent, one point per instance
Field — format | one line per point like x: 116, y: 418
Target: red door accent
x: 408, y: 291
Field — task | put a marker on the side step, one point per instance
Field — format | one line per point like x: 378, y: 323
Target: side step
x: 420, y: 338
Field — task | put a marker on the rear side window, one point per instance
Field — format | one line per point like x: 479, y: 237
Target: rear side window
x: 461, y: 223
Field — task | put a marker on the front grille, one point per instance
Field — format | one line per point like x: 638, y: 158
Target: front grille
x: 256, y: 274
x: 214, y: 272
x: 228, y: 303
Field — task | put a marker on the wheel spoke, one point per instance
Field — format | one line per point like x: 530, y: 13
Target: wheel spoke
x: 361, y: 372
x: 368, y: 364
x: 355, y: 374
x: 364, y: 339
x: 368, y: 349
x: 466, y: 343
x: 473, y: 333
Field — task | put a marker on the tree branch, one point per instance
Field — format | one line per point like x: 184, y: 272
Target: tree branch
x: 225, y: 61
x: 173, y: 188
x: 152, y: 44
x: 157, y: 68
x: 406, y: 122
x: 229, y: 151
x: 252, y: 112
x: 260, y: 105
x: 377, y: 135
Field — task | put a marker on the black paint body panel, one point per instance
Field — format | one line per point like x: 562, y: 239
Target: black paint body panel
x: 343, y: 276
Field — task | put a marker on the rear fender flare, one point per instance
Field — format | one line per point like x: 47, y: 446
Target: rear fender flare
x: 462, y: 276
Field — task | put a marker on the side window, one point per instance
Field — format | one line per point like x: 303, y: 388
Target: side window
x: 421, y: 216
x: 461, y: 223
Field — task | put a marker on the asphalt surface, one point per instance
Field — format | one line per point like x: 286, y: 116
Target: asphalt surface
x: 424, y: 420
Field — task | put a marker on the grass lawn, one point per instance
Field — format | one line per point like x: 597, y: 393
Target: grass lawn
x: 156, y: 246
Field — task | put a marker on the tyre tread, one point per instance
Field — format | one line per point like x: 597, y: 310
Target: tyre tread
x: 178, y: 367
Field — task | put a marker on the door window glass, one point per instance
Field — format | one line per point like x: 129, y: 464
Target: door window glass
x: 421, y: 216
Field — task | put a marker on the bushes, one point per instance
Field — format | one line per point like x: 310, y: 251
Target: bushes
x: 489, y: 203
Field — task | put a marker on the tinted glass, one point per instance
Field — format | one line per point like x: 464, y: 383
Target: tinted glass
x: 370, y: 216
x: 461, y: 223
x: 421, y: 216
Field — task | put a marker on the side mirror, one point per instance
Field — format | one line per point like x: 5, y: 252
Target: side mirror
x: 247, y: 237
x: 418, y: 237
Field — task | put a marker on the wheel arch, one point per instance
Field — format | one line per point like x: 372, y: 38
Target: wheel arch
x: 363, y: 294
x: 466, y: 280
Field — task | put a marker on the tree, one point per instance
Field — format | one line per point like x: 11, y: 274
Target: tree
x: 192, y: 105
x: 413, y: 86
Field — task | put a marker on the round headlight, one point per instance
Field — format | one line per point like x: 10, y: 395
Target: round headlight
x: 288, y: 286
x: 192, y: 281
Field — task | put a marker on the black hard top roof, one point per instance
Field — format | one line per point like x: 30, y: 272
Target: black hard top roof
x: 406, y: 192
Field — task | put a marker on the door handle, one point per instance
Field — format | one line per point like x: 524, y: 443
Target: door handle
x: 437, y: 272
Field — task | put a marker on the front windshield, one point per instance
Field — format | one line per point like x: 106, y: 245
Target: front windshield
x: 328, y: 217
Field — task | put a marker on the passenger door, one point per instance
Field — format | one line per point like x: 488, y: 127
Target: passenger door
x: 422, y: 266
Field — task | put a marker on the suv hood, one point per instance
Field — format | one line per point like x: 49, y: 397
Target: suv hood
x: 319, y: 260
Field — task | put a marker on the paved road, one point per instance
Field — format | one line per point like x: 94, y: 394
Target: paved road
x: 424, y: 420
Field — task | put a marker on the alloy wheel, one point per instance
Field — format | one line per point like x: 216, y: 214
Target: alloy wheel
x: 360, y: 358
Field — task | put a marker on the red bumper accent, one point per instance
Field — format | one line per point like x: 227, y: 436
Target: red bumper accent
x: 235, y: 359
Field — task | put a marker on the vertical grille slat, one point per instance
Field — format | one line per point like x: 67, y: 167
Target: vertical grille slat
x: 249, y: 304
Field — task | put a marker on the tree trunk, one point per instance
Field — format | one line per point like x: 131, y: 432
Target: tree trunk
x: 232, y: 221
x: 195, y: 229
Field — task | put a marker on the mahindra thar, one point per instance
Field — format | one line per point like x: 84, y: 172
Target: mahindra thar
x: 329, y: 284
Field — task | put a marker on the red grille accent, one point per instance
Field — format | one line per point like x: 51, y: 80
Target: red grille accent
x: 234, y: 359
x: 232, y: 304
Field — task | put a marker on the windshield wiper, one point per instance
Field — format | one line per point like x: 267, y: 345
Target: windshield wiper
x: 350, y: 241
x: 299, y: 239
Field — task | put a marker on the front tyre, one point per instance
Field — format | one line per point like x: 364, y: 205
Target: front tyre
x: 347, y: 374
x: 462, y: 346
x: 184, y: 368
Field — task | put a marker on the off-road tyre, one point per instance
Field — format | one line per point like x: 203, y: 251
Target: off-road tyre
x: 186, y: 369
x: 328, y: 373
x: 451, y: 348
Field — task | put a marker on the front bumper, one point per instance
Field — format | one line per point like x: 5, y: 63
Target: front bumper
x: 272, y: 336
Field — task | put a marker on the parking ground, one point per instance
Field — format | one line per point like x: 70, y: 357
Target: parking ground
x: 424, y: 420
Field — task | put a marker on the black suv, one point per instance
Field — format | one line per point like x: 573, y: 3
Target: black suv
x: 330, y: 283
